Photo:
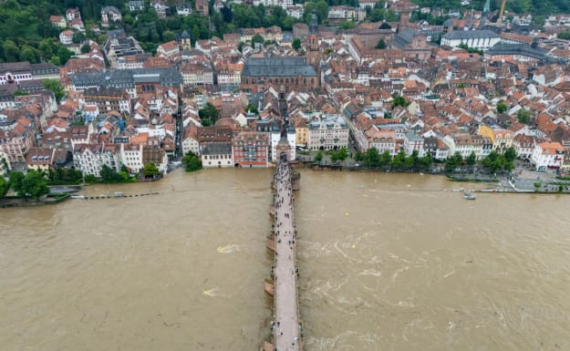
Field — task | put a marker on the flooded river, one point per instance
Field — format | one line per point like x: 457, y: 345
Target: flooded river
x: 387, y: 262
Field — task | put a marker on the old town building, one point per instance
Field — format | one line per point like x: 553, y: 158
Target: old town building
x: 291, y: 72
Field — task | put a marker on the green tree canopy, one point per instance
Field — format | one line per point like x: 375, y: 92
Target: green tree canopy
x: 150, y: 170
x: 372, y: 157
x: 400, y: 101
x: 501, y: 107
x: 523, y: 116
x: 4, y: 187
x: 381, y: 44
x: 208, y: 114
x: 192, y: 162
x: 296, y: 44
x: 17, y: 183
x: 471, y: 159
x: 257, y: 39
x: 510, y: 154
x: 85, y: 48
x: 54, y: 86
x: 319, y: 157
x: 35, y: 185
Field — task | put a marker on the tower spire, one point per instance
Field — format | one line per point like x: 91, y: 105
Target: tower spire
x: 487, y: 7
x: 314, y: 24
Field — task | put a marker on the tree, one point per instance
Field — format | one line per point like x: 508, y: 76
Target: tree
x: 85, y: 48
x: 251, y: 108
x: 319, y: 157
x: 347, y: 25
x: 341, y: 154
x: 564, y: 35
x: 321, y: 7
x: 471, y: 159
x: 399, y: 160
x: 11, y: 51
x: 240, y: 46
x: 54, y: 86
x: 17, y: 183
x: 78, y: 37
x: 29, y: 54
x: 453, y: 162
x: 400, y: 101
x: 167, y: 36
x: 192, y: 162
x: 46, y: 48
x: 523, y: 116
x: 537, y: 186
x: 35, y: 185
x: 64, y: 54
x: 386, y: 158
x: 209, y: 113
x: 372, y: 157
x: 510, y: 154
x: 150, y: 170
x: 381, y: 44
x: 501, y: 107
x: 296, y: 44
x: 4, y: 187
x: 109, y: 175
x: 425, y: 162
x: 358, y: 156
x: 257, y: 39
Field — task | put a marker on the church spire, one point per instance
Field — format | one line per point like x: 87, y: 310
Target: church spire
x: 487, y: 7
x: 314, y: 24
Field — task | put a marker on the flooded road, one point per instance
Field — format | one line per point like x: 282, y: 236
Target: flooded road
x: 387, y: 262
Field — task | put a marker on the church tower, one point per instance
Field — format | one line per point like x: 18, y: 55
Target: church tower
x: 184, y: 41
x: 313, y: 53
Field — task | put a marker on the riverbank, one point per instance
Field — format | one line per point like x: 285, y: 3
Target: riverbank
x: 14, y: 201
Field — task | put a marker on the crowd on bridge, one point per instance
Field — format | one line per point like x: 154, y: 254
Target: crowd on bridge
x: 286, y: 327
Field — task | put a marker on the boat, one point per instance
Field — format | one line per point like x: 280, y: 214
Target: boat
x: 468, y: 196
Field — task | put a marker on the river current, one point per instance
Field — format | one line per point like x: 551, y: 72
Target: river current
x: 387, y: 262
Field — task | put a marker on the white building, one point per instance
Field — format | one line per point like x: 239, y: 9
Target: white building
x: 476, y: 39
x: 282, y: 3
x: 295, y: 11
x: 383, y: 141
x: 132, y: 157
x: 90, y: 158
x: 168, y: 49
x: 413, y: 142
x: 331, y: 132
x: 110, y: 14
x: 136, y: 5
x: 190, y: 140
x: 197, y: 74
x: 184, y: 9
x: 217, y: 155
x: 66, y: 37
x: 547, y: 155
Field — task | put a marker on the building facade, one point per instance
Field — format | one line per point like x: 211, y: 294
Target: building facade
x: 293, y: 73
x: 330, y: 133
x: 251, y: 149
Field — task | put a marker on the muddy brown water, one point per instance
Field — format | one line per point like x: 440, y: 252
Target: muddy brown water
x: 387, y: 262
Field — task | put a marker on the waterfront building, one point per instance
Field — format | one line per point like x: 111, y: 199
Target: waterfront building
x: 330, y: 133
x: 251, y: 149
x: 217, y: 155
x: 547, y: 155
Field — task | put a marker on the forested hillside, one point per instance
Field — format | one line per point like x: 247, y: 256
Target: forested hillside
x: 536, y: 7
x: 27, y: 34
